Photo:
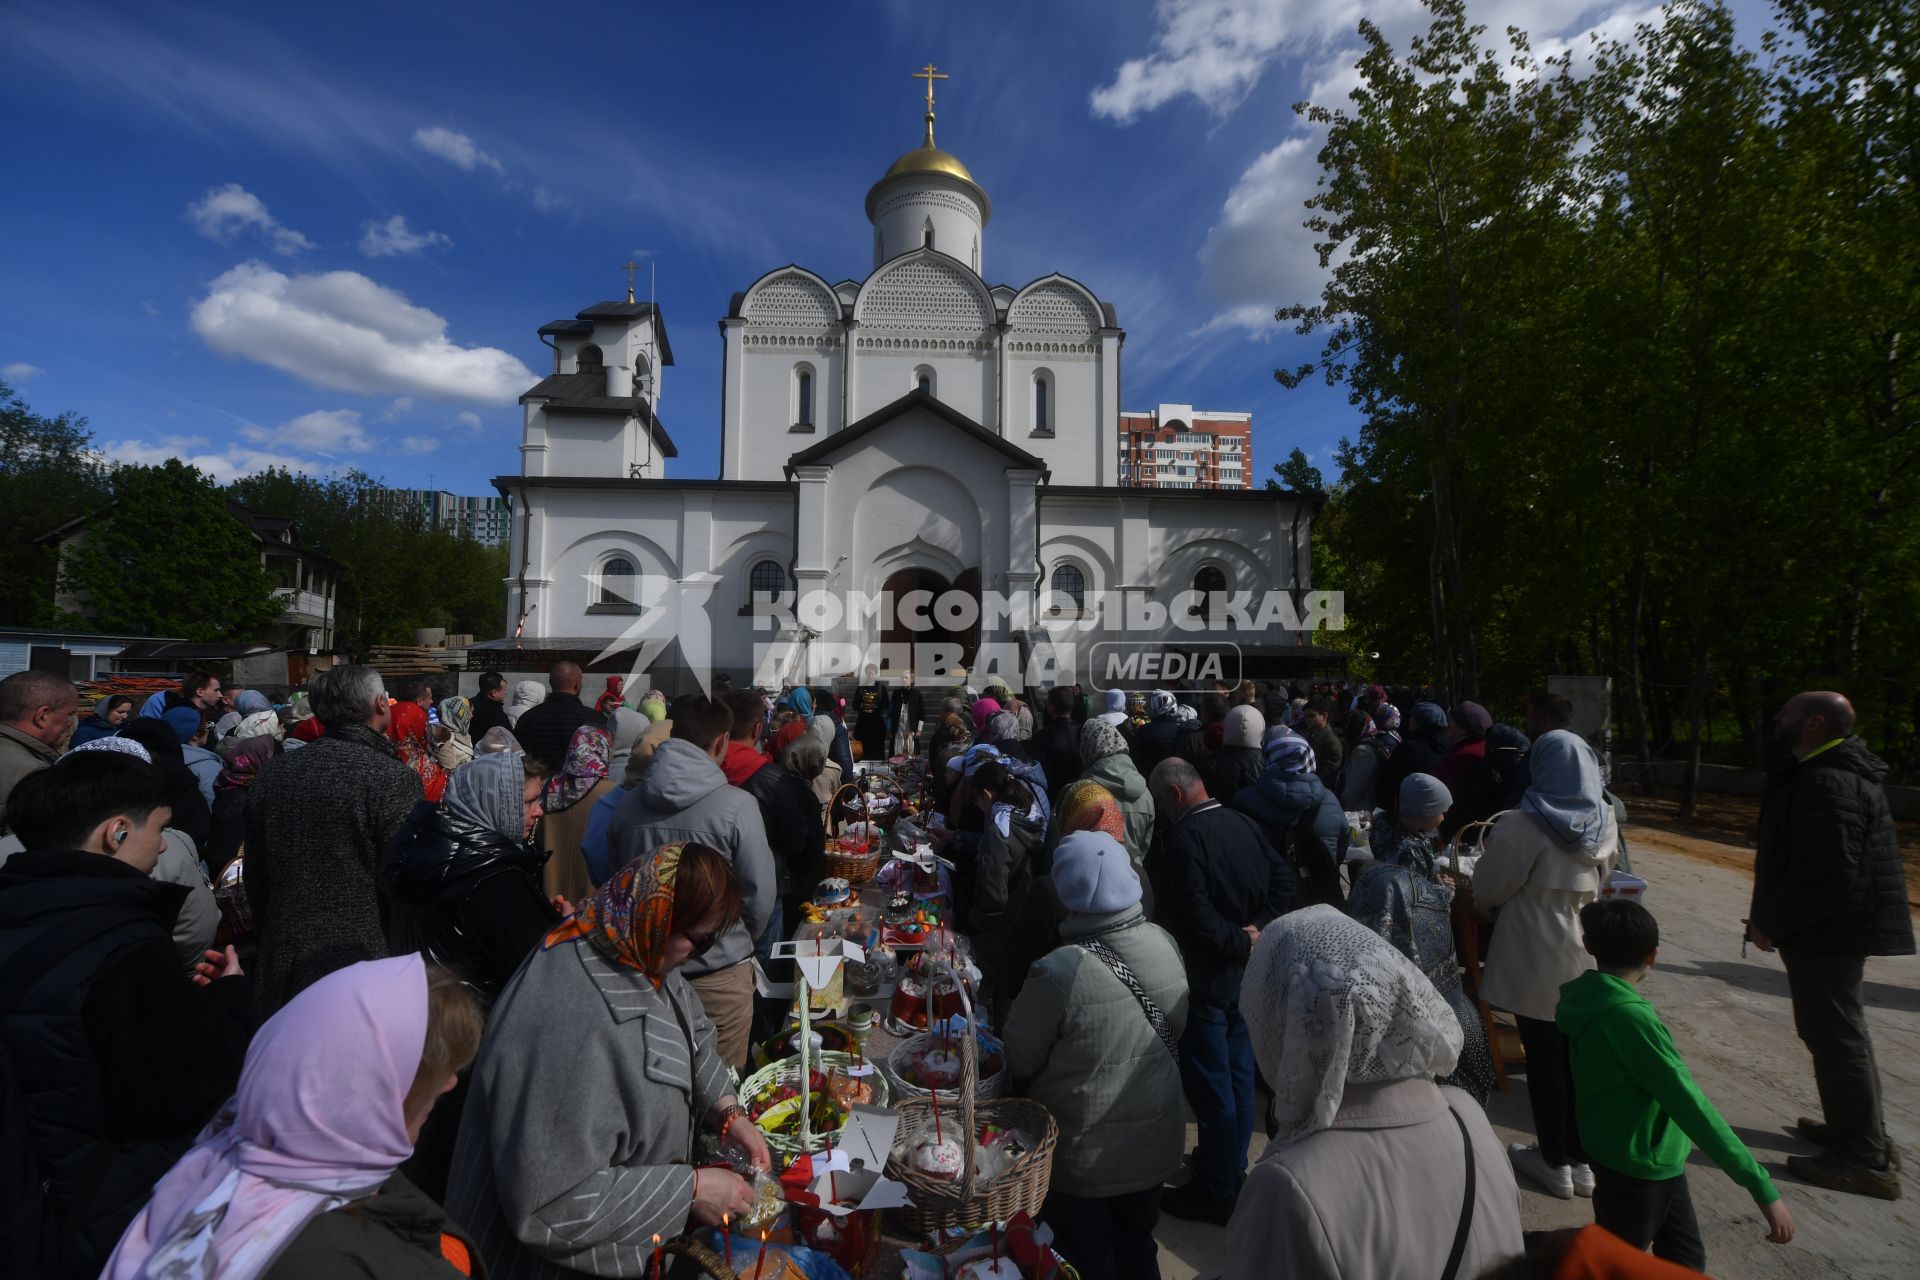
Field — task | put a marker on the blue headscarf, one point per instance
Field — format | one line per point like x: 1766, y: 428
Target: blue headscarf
x: 1429, y: 715
x: 798, y: 699
x: 251, y: 702
x: 1564, y: 791
x: 1288, y: 752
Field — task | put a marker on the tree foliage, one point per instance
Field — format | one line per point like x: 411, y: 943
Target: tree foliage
x: 167, y: 558
x: 1635, y: 353
x: 47, y: 477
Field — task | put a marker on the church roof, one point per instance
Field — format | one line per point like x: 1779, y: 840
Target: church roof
x: 915, y: 399
x: 587, y: 393
x: 607, y: 312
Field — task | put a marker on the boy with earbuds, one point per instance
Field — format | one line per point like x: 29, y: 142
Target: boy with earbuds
x: 114, y: 1057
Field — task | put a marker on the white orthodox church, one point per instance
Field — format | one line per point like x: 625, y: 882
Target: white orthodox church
x: 919, y: 428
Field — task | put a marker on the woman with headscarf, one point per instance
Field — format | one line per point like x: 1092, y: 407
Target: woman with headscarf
x: 109, y: 714
x: 296, y: 1177
x: 625, y: 727
x: 229, y: 831
x: 496, y: 740
x: 568, y: 802
x: 825, y: 787
x: 1012, y: 838
x: 1083, y: 806
x: 1238, y: 763
x: 259, y: 724
x: 456, y: 721
x: 654, y: 708
x: 578, y: 1160
x: 1368, y: 1172
x: 950, y: 737
x: 527, y: 694
x: 1422, y: 749
x: 1539, y: 866
x: 1298, y: 813
x: 983, y: 710
x: 796, y: 830
x: 1405, y: 898
x: 303, y: 725
x: 191, y: 814
x: 1105, y: 759
x: 1092, y: 1037
x: 414, y: 741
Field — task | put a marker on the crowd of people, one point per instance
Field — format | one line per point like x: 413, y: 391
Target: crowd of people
x: 390, y: 981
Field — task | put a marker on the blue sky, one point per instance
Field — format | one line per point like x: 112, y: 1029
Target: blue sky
x: 323, y: 236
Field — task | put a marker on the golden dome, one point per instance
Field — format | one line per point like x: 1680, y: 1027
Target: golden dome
x: 929, y: 159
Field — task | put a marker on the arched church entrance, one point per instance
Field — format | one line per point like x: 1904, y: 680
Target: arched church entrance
x: 896, y: 631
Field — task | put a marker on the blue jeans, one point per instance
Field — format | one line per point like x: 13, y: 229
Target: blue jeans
x: 1216, y: 1070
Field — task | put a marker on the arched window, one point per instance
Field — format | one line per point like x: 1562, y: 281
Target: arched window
x: 767, y: 578
x: 924, y: 383
x: 616, y: 581
x: 803, y: 397
x: 926, y: 234
x: 590, y: 359
x: 1042, y: 408
x: 642, y: 374
x: 923, y: 379
x: 1207, y: 583
x: 1068, y: 581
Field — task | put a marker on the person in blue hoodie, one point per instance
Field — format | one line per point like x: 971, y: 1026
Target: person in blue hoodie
x: 1639, y: 1111
x: 1302, y: 818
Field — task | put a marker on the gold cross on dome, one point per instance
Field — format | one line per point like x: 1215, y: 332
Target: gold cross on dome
x: 631, y: 267
x: 929, y: 74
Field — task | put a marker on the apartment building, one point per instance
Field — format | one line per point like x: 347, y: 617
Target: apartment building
x: 1176, y: 446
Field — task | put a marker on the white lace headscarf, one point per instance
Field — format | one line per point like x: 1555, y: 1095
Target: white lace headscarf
x: 1328, y: 1002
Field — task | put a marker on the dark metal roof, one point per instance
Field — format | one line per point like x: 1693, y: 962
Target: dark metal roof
x: 586, y: 393
x: 915, y: 399
x: 183, y: 650
x: 1317, y: 500
x: 610, y: 312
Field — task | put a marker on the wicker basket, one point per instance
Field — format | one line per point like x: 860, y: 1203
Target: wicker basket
x: 710, y: 1263
x: 939, y: 1204
x: 992, y: 1086
x: 788, y: 1147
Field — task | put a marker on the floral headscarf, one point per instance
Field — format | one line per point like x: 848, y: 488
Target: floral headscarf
x: 1088, y: 806
x: 457, y: 714
x: 249, y: 756
x: 408, y: 729
x: 629, y: 919
x: 587, y: 759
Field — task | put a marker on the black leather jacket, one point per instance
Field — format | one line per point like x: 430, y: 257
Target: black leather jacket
x: 466, y: 897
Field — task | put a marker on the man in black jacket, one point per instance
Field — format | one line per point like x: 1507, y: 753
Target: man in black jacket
x: 1829, y: 890
x: 1056, y: 744
x: 546, y: 731
x: 490, y: 706
x: 1218, y: 881
x: 117, y: 1058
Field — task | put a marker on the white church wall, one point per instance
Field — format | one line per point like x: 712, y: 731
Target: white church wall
x: 585, y: 444
x: 940, y: 206
x: 761, y: 437
x: 961, y: 376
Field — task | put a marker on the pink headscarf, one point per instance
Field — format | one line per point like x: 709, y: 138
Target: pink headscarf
x: 318, y: 1123
x: 983, y: 710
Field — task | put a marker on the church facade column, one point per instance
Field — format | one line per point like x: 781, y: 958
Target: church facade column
x: 849, y: 338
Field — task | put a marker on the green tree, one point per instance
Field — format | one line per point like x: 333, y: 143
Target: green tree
x: 168, y: 558
x: 47, y: 476
x: 1297, y: 474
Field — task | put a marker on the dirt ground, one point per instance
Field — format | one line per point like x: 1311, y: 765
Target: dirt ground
x: 1732, y: 1021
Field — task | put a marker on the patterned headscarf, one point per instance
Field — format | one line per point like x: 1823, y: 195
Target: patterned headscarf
x: 496, y: 740
x: 1329, y: 1003
x: 1098, y: 740
x: 244, y: 762
x: 1003, y: 726
x: 118, y: 746
x: 408, y: 729
x: 489, y: 792
x: 457, y: 714
x: 1386, y: 716
x: 1088, y: 806
x: 1288, y: 752
x: 587, y: 759
x: 629, y: 919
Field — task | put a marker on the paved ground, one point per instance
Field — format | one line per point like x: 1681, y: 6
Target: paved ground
x: 1732, y: 1022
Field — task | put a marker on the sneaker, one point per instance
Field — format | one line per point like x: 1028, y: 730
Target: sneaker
x: 1583, y: 1181
x: 1817, y: 1131
x: 1554, y: 1179
x: 1194, y: 1204
x: 1837, y: 1173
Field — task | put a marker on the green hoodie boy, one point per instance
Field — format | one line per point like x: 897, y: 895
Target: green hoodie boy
x: 1639, y: 1111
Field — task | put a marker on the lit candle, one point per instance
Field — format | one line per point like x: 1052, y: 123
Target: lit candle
x: 759, y: 1263
x: 656, y: 1258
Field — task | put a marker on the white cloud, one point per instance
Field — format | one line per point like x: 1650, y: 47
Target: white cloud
x: 324, y: 431
x: 20, y: 371
x: 342, y: 331
x: 457, y: 149
x: 1259, y: 255
x: 547, y: 201
x: 229, y: 464
x: 230, y: 211
x: 394, y: 237
x: 468, y: 418
x: 417, y: 445
x: 401, y: 406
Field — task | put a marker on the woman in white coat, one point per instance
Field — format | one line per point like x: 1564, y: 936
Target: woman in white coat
x: 1367, y: 1176
x: 1541, y: 864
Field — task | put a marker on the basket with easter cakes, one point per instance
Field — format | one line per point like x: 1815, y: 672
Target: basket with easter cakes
x: 795, y: 1120
x: 925, y: 991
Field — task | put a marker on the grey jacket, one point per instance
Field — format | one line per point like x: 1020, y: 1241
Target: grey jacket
x: 1079, y: 1044
x: 20, y: 755
x: 1377, y: 1196
x: 1118, y: 774
x: 684, y: 797
x: 576, y: 1142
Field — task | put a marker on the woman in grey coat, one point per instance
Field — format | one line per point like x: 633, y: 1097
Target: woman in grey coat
x: 597, y: 1071
x: 1081, y: 1041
